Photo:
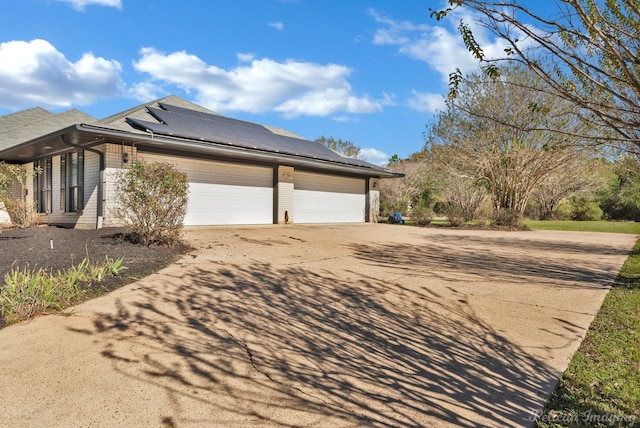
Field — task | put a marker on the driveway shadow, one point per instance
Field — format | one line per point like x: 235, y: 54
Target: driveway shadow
x: 513, y: 260
x: 292, y: 346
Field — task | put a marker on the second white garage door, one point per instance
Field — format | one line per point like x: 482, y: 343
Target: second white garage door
x: 224, y: 193
x: 321, y: 198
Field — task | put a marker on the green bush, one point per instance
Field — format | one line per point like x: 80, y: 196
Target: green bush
x: 564, y: 212
x: 27, y: 293
x: 586, y: 210
x: 152, y: 202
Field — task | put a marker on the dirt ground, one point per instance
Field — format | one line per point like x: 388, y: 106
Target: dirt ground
x: 351, y: 325
x: 56, y: 249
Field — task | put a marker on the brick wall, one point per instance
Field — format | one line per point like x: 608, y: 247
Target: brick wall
x: 285, y: 194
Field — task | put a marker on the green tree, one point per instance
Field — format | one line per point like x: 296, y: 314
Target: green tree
x: 394, y: 159
x: 585, y: 51
x: 345, y: 148
x: 621, y: 200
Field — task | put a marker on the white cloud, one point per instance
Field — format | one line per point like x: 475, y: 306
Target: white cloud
x: 81, y: 4
x: 246, y: 57
x: 291, y: 87
x: 277, y: 25
x: 146, y: 91
x: 36, y: 73
x: 374, y: 156
x: 440, y: 46
x: 427, y: 102
x: 394, y: 32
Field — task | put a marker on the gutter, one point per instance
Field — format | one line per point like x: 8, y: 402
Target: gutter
x: 100, y: 205
x: 235, y: 152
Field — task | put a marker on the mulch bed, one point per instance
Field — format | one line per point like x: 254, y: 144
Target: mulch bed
x: 55, y: 248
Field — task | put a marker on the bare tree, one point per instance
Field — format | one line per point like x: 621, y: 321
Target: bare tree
x: 495, y: 134
x: 460, y: 193
x: 585, y: 51
x: 581, y: 177
x: 398, y: 194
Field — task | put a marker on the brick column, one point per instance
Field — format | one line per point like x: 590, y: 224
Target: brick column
x: 284, y: 192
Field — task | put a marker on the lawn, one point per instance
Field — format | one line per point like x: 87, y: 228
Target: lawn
x: 601, y: 386
x: 585, y: 226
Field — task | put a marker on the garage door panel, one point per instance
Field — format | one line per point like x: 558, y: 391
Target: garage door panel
x: 327, y: 183
x: 223, y: 204
x: 321, y: 198
x: 224, y: 193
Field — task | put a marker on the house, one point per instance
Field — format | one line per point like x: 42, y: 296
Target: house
x: 239, y: 172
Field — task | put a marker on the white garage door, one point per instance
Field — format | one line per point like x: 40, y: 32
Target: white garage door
x: 320, y: 198
x: 224, y: 193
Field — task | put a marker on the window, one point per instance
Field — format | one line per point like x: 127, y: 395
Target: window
x: 71, y: 177
x: 43, y: 185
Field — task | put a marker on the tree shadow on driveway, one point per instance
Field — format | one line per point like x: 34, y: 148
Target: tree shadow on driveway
x: 509, y: 260
x: 296, y: 346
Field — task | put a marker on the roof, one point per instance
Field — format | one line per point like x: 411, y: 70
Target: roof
x: 177, y: 121
x: 17, y: 128
x: 118, y: 120
x: 170, y: 123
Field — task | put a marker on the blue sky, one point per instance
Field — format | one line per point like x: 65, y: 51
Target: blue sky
x: 369, y: 71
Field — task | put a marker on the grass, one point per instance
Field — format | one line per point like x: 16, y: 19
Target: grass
x: 27, y: 293
x: 601, y: 386
x: 585, y: 226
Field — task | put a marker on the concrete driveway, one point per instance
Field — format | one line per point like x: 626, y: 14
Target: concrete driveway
x: 327, y: 326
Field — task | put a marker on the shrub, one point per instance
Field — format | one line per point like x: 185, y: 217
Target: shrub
x: 152, y: 202
x: 564, y: 212
x: 13, y: 181
x: 22, y: 212
x: 421, y: 216
x: 454, y: 213
x: 507, y: 218
x: 584, y: 210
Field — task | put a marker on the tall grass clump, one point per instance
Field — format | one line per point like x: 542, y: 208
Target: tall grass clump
x: 27, y: 293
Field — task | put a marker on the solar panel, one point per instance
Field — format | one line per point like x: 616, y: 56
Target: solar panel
x: 185, y: 123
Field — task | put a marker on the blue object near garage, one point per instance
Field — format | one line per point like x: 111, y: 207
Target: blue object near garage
x: 396, y: 218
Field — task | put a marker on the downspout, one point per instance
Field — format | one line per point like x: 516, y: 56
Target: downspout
x: 100, y: 204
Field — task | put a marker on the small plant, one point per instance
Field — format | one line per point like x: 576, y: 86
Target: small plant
x: 152, y: 202
x: 27, y: 293
x: 454, y: 213
x: 421, y: 216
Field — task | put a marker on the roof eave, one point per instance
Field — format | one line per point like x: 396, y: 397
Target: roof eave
x: 40, y: 147
x: 234, y: 152
x: 89, y: 135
